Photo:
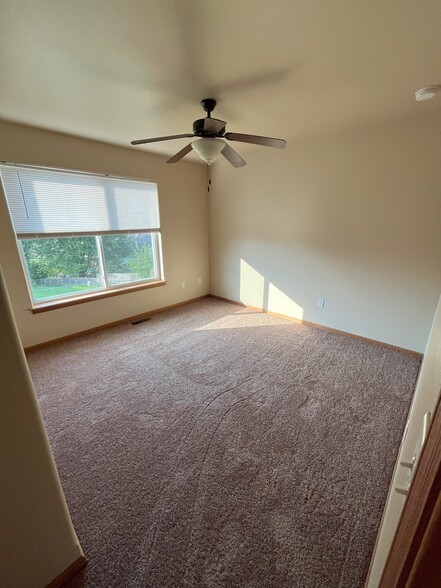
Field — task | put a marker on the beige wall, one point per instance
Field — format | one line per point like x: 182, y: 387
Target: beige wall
x: 183, y: 210
x: 352, y: 218
x: 37, y: 540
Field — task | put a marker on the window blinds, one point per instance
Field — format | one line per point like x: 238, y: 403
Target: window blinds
x: 46, y: 203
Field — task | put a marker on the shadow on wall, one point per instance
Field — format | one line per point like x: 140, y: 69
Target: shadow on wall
x: 260, y: 293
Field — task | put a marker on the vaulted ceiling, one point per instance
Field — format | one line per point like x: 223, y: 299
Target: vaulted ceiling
x: 117, y: 70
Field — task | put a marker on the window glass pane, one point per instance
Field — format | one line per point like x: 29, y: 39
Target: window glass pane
x: 130, y: 258
x: 64, y: 266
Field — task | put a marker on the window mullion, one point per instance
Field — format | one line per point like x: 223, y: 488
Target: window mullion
x: 103, y: 268
x: 157, y: 261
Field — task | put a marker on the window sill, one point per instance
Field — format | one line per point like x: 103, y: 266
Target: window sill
x: 54, y: 305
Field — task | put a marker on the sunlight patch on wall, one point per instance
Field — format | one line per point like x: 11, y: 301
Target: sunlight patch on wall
x: 252, y: 286
x: 258, y: 292
x: 282, y: 304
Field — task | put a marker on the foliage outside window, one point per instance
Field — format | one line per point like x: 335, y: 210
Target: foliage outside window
x: 80, y: 233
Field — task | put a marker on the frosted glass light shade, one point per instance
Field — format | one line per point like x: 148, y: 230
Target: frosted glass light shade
x: 208, y: 149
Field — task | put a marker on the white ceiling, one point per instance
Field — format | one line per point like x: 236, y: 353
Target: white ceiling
x: 117, y: 70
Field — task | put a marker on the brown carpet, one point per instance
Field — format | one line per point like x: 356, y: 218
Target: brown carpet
x: 213, y: 446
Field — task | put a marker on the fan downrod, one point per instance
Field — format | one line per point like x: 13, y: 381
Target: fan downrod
x: 208, y: 104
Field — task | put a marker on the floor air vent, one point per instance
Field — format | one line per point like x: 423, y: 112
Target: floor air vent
x: 141, y: 320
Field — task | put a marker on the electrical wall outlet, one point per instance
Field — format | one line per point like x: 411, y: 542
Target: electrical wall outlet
x: 182, y: 284
x: 199, y: 281
x: 320, y: 302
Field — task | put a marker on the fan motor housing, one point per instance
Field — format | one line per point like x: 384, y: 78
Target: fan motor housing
x: 200, y: 131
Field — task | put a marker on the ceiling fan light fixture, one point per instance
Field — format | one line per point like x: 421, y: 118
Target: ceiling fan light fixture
x: 211, y: 136
x: 208, y: 149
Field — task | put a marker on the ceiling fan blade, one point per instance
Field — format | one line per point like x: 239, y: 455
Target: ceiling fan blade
x: 255, y: 139
x: 233, y: 157
x: 156, y: 139
x: 214, y: 125
x: 180, y: 154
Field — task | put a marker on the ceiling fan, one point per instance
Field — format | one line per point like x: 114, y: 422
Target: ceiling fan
x: 211, y: 139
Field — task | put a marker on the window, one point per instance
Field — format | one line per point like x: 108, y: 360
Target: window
x: 81, y: 233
